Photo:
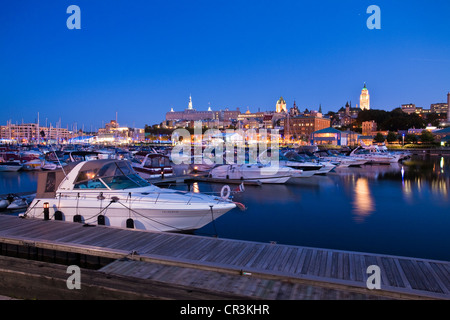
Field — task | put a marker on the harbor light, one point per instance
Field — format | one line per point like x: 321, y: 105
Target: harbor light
x: 46, y: 211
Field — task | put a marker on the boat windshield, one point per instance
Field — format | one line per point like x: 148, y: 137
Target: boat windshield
x: 115, y: 176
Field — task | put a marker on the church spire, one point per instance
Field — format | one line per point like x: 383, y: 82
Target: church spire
x: 190, y: 102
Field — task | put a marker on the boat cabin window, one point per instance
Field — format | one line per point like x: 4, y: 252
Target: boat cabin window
x: 157, y: 162
x: 115, y: 175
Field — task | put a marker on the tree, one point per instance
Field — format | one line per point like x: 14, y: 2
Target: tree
x: 379, y: 137
x: 391, y: 137
x: 411, y: 138
x: 426, y: 137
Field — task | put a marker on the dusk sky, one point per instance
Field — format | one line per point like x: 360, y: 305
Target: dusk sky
x: 141, y: 58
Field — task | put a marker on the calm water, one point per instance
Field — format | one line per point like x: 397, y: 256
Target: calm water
x: 401, y: 209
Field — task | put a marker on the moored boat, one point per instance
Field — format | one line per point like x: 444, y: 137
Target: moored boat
x: 10, y: 166
x: 253, y: 173
x: 109, y: 192
x: 151, y: 165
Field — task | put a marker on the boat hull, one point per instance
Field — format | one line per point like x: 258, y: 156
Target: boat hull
x: 253, y: 173
x: 145, y: 216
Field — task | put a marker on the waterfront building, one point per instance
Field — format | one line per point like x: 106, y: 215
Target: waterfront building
x: 32, y: 133
x: 114, y: 133
x: 294, y: 111
x: 369, y: 127
x: 209, y: 118
x: 325, y: 136
x: 347, y: 115
x: 189, y: 114
x: 249, y: 120
x: 364, y: 99
x: 332, y: 136
x: 302, y: 127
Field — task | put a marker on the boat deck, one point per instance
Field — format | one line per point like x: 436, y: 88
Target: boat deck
x: 250, y: 269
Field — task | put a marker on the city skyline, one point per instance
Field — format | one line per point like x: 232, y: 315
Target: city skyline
x: 141, y: 59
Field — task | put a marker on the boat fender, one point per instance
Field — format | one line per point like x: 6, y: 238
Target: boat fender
x: 58, y: 215
x: 130, y: 223
x: 225, y: 192
x: 101, y: 220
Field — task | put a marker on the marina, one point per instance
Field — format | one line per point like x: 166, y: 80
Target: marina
x: 256, y: 249
x: 238, y: 150
x: 289, y: 237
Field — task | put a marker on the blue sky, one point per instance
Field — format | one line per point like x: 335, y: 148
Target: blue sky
x: 141, y: 58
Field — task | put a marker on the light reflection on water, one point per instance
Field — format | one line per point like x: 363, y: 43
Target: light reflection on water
x: 363, y: 204
x: 401, y: 209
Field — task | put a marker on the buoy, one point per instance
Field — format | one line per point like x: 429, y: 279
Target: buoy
x: 58, y: 215
x: 225, y: 192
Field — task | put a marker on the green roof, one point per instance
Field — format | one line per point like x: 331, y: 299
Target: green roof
x: 328, y: 130
x: 443, y: 131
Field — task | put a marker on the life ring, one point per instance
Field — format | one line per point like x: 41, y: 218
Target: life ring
x: 225, y: 192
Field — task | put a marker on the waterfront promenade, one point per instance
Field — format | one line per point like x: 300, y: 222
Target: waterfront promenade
x: 154, y: 265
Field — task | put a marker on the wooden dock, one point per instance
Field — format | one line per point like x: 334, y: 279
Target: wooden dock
x: 217, y: 268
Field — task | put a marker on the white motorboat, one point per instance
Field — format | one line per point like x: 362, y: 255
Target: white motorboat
x: 16, y: 202
x: 373, y: 155
x: 307, y: 166
x: 302, y: 170
x: 31, y: 165
x: 338, y: 160
x: 151, y: 165
x: 4, y: 203
x: 52, y: 165
x: 253, y: 173
x: 201, y: 164
x: 109, y: 192
x: 10, y: 166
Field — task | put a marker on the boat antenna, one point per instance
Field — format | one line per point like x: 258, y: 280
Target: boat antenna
x: 42, y: 133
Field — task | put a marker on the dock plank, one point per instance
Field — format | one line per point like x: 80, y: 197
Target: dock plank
x: 272, y: 270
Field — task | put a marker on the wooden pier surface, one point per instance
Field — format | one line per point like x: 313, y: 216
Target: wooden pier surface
x: 234, y: 268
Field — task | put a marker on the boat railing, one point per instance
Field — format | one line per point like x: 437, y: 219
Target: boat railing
x: 133, y: 197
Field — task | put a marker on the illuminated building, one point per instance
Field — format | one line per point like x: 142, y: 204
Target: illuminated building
x: 281, y: 105
x: 189, y: 114
x: 304, y: 126
x: 369, y: 127
x: 409, y: 108
x: 335, y: 137
x: 364, y: 99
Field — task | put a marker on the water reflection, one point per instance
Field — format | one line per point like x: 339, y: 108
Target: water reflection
x: 425, y: 177
x: 195, y: 188
x: 363, y: 203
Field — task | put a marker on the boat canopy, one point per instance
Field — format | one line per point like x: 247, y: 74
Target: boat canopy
x: 49, y: 181
x: 108, y: 174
